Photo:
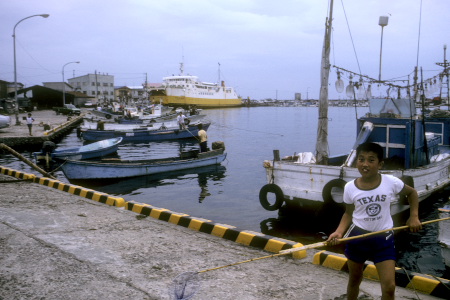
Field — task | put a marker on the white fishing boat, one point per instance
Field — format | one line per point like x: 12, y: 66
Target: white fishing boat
x: 5, y: 121
x: 187, y: 90
x: 415, y: 147
x: 111, y: 125
x: 444, y: 234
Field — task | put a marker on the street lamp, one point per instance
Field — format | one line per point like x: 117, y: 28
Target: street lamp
x: 383, y: 21
x: 64, y: 84
x: 15, y: 66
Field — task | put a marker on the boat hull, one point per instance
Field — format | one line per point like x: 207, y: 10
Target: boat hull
x: 200, y: 102
x: 143, y: 135
x: 313, y: 193
x: 94, y: 150
x: 444, y: 234
x: 83, y: 170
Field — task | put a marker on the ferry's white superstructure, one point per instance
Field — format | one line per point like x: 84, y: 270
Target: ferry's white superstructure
x: 188, y: 90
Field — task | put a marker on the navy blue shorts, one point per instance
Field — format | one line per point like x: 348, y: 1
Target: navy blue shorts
x: 376, y: 248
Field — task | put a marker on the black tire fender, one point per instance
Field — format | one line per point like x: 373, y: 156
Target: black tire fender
x: 271, y: 188
x: 326, y: 192
x: 108, y: 116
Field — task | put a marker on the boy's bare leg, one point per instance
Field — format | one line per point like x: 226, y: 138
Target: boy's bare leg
x: 355, y: 277
x: 386, y: 273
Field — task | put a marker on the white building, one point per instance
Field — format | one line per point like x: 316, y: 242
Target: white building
x: 96, y: 85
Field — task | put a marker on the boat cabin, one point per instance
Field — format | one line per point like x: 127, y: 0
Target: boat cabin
x: 409, y: 141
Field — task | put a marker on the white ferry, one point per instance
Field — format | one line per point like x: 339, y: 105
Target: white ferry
x: 187, y: 90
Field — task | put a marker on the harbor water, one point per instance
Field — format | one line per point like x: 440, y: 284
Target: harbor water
x: 229, y: 193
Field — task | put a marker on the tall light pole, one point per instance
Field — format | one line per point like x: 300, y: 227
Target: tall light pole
x: 15, y: 65
x: 64, y: 84
x: 383, y: 21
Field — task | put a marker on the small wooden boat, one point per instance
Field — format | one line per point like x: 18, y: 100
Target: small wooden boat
x: 116, y: 168
x: 147, y: 134
x: 5, y: 121
x: 444, y: 234
x: 93, y: 150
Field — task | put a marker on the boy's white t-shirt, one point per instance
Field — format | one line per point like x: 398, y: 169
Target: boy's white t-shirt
x: 373, y: 207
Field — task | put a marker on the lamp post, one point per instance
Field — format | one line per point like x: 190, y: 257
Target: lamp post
x: 15, y: 65
x: 383, y: 21
x: 64, y: 84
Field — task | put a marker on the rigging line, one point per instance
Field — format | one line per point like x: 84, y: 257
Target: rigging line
x: 418, y: 37
x: 351, y: 37
x: 354, y: 49
x: 25, y: 50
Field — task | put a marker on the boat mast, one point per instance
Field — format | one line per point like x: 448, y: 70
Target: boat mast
x: 322, y: 129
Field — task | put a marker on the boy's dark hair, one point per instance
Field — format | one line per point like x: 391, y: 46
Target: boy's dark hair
x: 373, y: 147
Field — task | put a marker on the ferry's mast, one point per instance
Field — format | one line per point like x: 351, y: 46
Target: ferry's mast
x: 322, y: 129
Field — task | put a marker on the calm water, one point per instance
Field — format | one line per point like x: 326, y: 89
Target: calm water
x: 229, y: 194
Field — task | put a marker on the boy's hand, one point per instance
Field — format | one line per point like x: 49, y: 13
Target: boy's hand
x: 414, y: 224
x: 333, y: 239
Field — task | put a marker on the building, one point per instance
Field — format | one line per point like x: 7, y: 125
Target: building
x: 100, y: 86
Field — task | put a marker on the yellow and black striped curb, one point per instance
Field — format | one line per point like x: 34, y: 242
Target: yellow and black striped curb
x: 426, y: 284
x: 16, y: 174
x: 66, y: 187
x: 245, y: 237
x: 81, y: 191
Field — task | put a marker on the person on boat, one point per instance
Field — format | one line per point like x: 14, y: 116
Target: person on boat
x: 128, y: 114
x: 367, y: 209
x: 180, y: 120
x: 203, y: 138
x: 30, y: 121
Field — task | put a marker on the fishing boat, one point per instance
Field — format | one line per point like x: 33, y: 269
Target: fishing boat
x: 444, y: 234
x: 147, y: 134
x: 415, y: 148
x: 110, y: 125
x: 116, y: 168
x: 187, y: 90
x: 93, y: 150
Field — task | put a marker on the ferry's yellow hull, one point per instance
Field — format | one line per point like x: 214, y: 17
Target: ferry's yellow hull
x: 199, y: 102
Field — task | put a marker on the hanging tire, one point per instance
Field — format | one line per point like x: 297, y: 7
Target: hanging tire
x: 328, y: 188
x: 271, y: 188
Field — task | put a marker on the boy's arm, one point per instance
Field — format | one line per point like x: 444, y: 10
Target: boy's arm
x: 346, y: 220
x: 413, y: 198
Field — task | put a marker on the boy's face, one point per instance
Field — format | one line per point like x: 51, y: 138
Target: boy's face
x: 368, y: 163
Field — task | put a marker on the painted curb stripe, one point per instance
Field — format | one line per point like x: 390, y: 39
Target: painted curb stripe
x: 16, y: 174
x: 245, y: 237
x: 80, y: 191
x: 426, y: 284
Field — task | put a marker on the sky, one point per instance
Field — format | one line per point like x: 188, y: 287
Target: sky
x: 264, y: 49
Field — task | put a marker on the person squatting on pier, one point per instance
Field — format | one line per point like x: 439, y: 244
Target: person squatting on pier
x: 367, y: 209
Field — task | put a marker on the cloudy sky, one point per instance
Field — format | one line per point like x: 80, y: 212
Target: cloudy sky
x: 266, y: 49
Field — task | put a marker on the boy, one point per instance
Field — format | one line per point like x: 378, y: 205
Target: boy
x: 30, y: 121
x: 367, y: 201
